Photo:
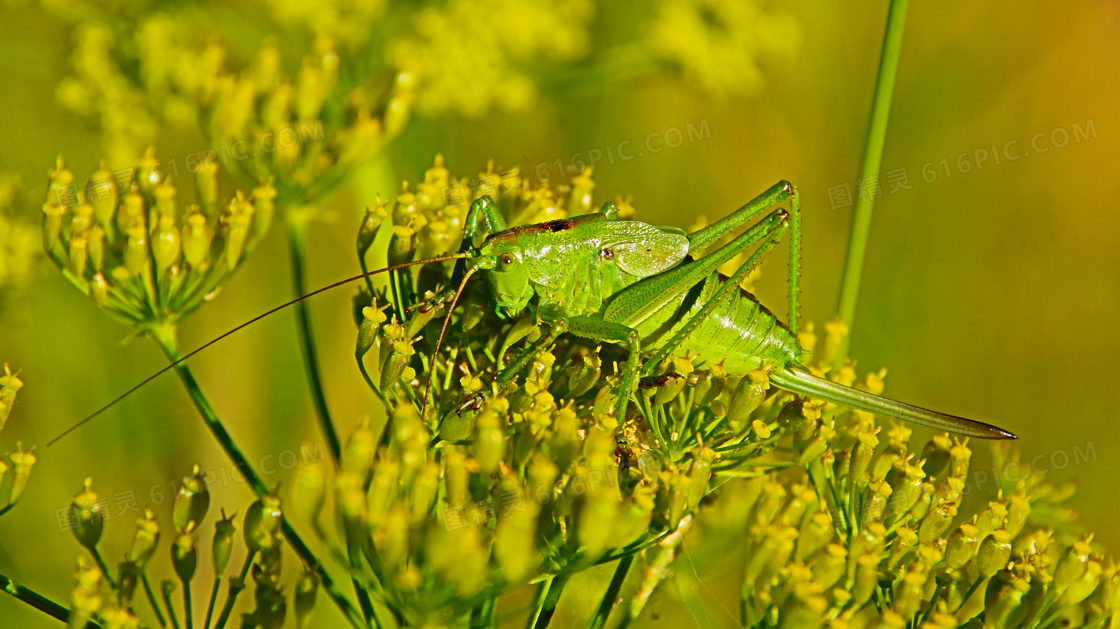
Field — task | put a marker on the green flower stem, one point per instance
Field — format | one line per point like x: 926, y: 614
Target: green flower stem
x: 152, y: 598
x: 297, y: 241
x: 869, y: 169
x: 38, y: 601
x: 213, y: 599
x: 545, y: 601
x: 165, y: 336
x: 235, y: 587
x: 599, y: 620
x: 485, y: 614
x: 188, y: 611
x: 166, y: 589
x: 103, y: 566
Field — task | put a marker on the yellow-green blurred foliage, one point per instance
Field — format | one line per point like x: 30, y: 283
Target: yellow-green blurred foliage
x: 991, y: 289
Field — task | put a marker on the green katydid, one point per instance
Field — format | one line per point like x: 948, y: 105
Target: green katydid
x: 642, y: 286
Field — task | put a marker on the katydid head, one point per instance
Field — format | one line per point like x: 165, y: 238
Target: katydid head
x: 501, y: 257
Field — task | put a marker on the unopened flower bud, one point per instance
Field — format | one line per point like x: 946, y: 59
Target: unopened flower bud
x: 262, y: 521
x: 401, y: 244
x: 859, y: 466
x: 959, y: 456
x: 831, y: 566
x: 53, y: 213
x: 196, y: 239
x: 489, y: 441
x: 994, y: 553
x: 99, y: 290
x: 309, y: 492
x: 10, y: 384
x: 1071, y: 567
x: 184, y: 555
x: 238, y: 226
x: 747, y: 397
x: 166, y: 243
x: 361, y: 447
x: 96, y: 247
x: 102, y: 194
x: 264, y: 209
x: 1018, y: 508
x: 307, y: 588
x: 400, y: 354
x: 81, y: 219
x: 22, y: 462
x: 192, y: 501
x: 145, y: 540
x: 798, y: 415
x: 961, y: 546
x: 78, y: 254
x: 936, y: 523
x: 207, y: 184
x: 905, y: 539
x: 1080, y: 589
x: 937, y: 454
x: 136, y: 252
x: 371, y: 224
x: 87, y: 516
x: 815, y: 535
x: 128, y: 574
x: 222, y: 547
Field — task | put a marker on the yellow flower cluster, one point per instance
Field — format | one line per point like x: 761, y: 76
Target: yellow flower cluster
x: 19, y: 244
x: 123, y: 238
x: 20, y: 462
x: 720, y: 43
x: 474, y: 56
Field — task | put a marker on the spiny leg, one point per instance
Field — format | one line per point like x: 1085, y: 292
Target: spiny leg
x: 778, y: 193
x: 773, y: 232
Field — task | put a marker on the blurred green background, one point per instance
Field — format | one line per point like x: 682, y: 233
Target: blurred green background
x: 991, y: 293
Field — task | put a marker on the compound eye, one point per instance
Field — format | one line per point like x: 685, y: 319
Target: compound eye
x: 505, y: 259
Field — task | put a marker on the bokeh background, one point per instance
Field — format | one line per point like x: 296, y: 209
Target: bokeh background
x: 992, y: 293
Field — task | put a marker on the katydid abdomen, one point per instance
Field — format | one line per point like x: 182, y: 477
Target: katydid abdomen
x: 739, y: 332
x: 743, y: 335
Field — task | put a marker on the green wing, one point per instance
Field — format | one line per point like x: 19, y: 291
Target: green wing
x: 641, y: 249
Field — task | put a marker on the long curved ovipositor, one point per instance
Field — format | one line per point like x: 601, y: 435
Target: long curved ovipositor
x: 796, y: 379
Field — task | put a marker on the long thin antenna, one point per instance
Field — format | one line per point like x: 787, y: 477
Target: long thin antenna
x: 439, y: 341
x: 247, y: 324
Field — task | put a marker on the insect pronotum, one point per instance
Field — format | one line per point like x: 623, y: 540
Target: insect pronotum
x: 646, y: 288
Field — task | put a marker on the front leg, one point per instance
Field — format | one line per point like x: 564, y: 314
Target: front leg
x: 484, y: 214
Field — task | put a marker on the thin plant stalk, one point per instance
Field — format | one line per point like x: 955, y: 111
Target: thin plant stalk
x: 152, y: 598
x: 235, y: 587
x: 166, y: 589
x: 213, y: 600
x: 38, y: 601
x: 599, y: 620
x: 545, y: 601
x: 166, y: 338
x: 297, y: 242
x: 188, y: 606
x: 869, y: 170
